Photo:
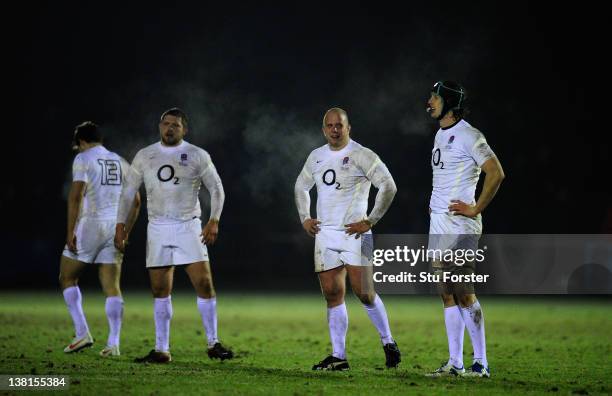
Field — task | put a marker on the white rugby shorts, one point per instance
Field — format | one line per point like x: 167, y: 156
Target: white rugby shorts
x: 448, y: 231
x: 175, y: 244
x: 94, y: 239
x: 334, y: 248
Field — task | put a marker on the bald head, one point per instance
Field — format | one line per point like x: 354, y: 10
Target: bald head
x: 336, y: 128
x: 336, y: 110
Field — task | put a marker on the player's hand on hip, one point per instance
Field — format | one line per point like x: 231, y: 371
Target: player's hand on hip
x: 71, y: 242
x: 210, y: 232
x: 358, y: 228
x: 311, y: 226
x: 121, y: 237
x: 458, y: 207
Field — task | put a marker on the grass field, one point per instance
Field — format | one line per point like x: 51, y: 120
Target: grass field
x: 552, y: 345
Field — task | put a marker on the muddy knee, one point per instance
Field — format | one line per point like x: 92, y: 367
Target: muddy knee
x: 66, y: 282
x: 111, y: 290
x: 333, y: 297
x: 448, y: 300
x: 366, y: 298
x: 466, y: 300
x: 160, y: 291
x: 206, y: 289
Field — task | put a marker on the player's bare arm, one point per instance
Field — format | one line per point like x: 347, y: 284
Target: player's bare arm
x: 494, y: 174
x: 127, y: 212
x: 311, y: 226
x: 123, y: 229
x: 75, y: 198
x: 120, y: 236
x: 358, y: 228
x: 124, y: 226
x: 210, y: 232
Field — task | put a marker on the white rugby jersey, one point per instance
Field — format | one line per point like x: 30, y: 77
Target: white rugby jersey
x: 343, y: 179
x: 172, y: 176
x: 456, y: 158
x: 104, y: 172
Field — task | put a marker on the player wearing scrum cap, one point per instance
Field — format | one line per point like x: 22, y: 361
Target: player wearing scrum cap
x: 460, y: 153
x: 343, y: 171
x: 173, y: 172
x: 97, y: 177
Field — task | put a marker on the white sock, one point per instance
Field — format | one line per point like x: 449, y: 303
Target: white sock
x: 378, y: 316
x: 73, y: 298
x: 474, y: 321
x: 208, y: 311
x: 337, y: 320
x: 114, y: 314
x: 163, y: 314
x: 455, y: 329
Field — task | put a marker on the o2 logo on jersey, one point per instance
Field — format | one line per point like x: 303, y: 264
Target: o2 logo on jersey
x: 111, y: 172
x: 330, y: 180
x: 166, y: 173
x: 436, y: 157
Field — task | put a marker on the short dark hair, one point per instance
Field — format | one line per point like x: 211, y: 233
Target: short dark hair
x: 175, y: 111
x: 88, y: 132
x: 459, y: 114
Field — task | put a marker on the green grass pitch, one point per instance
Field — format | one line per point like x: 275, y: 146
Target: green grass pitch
x: 553, y: 345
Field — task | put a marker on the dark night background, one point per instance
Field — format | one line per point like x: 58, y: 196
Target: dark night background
x: 256, y: 82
